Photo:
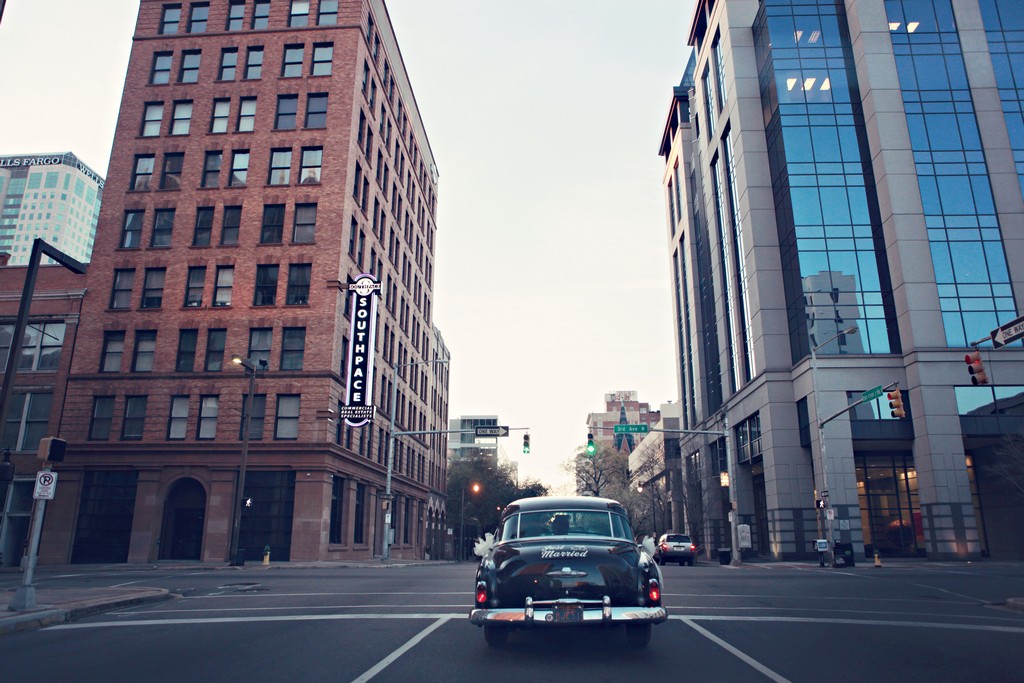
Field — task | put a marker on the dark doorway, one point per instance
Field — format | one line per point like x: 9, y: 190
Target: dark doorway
x: 184, y: 514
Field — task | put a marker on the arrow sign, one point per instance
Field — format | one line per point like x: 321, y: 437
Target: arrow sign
x: 496, y: 430
x: 1008, y: 333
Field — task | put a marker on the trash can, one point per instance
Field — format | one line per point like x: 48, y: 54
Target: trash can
x: 724, y: 556
x: 842, y: 555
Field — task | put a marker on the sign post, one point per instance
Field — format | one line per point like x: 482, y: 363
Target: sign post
x: 25, y: 597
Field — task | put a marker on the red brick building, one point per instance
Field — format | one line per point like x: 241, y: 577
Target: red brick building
x: 266, y: 153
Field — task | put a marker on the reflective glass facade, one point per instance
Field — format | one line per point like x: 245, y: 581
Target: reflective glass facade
x: 1004, y: 26
x: 963, y: 229
x: 830, y: 234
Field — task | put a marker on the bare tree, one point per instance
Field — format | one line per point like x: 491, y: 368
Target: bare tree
x: 1007, y: 463
x: 602, y: 474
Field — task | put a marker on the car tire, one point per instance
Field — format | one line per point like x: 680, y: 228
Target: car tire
x: 682, y: 563
x: 690, y: 562
x: 495, y: 635
x: 638, y: 635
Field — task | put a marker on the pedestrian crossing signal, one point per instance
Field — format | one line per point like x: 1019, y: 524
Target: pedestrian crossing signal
x: 819, y: 504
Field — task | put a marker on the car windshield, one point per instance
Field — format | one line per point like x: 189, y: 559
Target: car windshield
x: 566, y: 523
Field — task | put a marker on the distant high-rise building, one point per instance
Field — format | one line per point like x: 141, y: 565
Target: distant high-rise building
x: 55, y: 197
x: 843, y: 185
x: 468, y: 445
x: 620, y: 408
x: 266, y: 155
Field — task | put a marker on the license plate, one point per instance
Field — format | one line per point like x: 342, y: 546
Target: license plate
x: 679, y: 547
x: 568, y: 613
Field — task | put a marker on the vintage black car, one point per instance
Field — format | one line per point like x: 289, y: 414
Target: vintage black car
x: 566, y: 562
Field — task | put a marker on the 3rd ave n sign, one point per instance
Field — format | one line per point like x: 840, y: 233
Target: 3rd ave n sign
x: 1008, y: 333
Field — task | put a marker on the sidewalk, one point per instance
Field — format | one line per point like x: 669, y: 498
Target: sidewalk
x: 64, y: 605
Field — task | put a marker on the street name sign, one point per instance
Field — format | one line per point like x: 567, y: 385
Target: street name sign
x: 46, y: 485
x: 632, y: 429
x: 491, y: 430
x: 1010, y: 332
x: 872, y: 394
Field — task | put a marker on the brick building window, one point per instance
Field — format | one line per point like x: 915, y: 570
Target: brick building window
x: 310, y: 164
x: 121, y: 291
x: 169, y: 19
x: 181, y: 118
x: 142, y: 172
x: 220, y: 116
x: 230, y: 221
x: 236, y: 13
x: 286, y: 421
x: 211, y: 169
x: 194, y: 287
x: 186, y: 358
x: 209, y: 409
x: 190, y: 60
x: 293, y: 347
x: 260, y: 340
x: 228, y: 64
x: 131, y: 231
x: 298, y: 284
x: 204, y: 226
x: 163, y: 227
x: 145, y: 351
x: 304, y: 229
x: 246, y: 114
x: 287, y: 108
x: 239, y: 168
x: 328, y: 16
x: 170, y: 177
x: 299, y: 14
x: 27, y: 420
x: 261, y: 14
x: 265, y: 293
x: 291, y: 62
x: 254, y: 63
x: 216, y: 340
x: 102, y: 417
x: 153, y: 288
x: 323, y: 56
x: 222, y: 286
x: 160, y: 73
x: 134, y: 421
x: 177, y: 422
x: 280, y: 167
x: 316, y: 110
x: 199, y: 15
x: 259, y: 415
x: 152, y: 118
x: 113, y: 351
x: 273, y: 224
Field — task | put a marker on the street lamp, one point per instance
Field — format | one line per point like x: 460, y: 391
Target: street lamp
x: 385, y: 555
x: 821, y: 429
x: 462, y: 520
x: 253, y: 369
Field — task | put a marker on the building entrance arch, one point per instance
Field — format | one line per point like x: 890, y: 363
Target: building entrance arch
x: 184, y: 516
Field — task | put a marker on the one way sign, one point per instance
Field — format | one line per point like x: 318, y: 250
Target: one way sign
x: 491, y: 430
x: 1010, y: 332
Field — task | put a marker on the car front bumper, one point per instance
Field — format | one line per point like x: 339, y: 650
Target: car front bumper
x: 543, y: 613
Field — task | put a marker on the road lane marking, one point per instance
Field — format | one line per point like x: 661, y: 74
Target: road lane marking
x: 241, y: 620
x: 195, y: 610
x: 409, y: 644
x: 856, y: 622
x: 742, y: 656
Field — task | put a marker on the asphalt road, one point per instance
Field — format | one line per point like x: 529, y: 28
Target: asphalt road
x: 764, y: 622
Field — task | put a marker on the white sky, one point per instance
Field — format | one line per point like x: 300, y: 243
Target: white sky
x: 552, y: 282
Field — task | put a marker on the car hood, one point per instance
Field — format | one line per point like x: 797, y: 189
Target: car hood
x: 550, y: 569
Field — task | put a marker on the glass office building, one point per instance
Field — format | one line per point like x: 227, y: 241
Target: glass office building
x: 844, y: 192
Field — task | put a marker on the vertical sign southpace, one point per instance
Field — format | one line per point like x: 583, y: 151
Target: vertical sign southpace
x: 358, y: 408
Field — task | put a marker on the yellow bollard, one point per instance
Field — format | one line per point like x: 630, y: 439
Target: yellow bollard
x: 878, y: 560
x: 266, y: 556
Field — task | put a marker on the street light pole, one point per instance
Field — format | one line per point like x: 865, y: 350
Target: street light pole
x: 252, y: 369
x: 821, y: 431
x: 385, y: 555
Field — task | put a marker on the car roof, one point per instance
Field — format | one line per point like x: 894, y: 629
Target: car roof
x: 561, y: 503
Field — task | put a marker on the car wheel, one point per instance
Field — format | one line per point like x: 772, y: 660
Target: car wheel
x: 638, y: 635
x: 690, y: 562
x: 682, y: 563
x: 495, y: 635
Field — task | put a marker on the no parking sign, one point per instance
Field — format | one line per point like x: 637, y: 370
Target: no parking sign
x: 46, y: 485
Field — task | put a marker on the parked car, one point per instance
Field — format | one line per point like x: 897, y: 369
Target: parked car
x: 675, y: 548
x: 566, y: 562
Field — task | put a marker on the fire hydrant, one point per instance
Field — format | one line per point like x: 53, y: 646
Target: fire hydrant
x: 266, y: 556
x: 878, y: 560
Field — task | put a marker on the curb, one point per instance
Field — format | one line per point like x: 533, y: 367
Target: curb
x: 30, y: 621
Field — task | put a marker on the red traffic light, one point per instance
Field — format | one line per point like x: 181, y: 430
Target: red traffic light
x: 896, y: 404
x: 976, y: 367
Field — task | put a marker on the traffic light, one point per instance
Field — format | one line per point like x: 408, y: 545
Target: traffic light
x: 526, y: 443
x: 51, y: 449
x: 976, y: 367
x: 896, y: 403
x: 591, y: 448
